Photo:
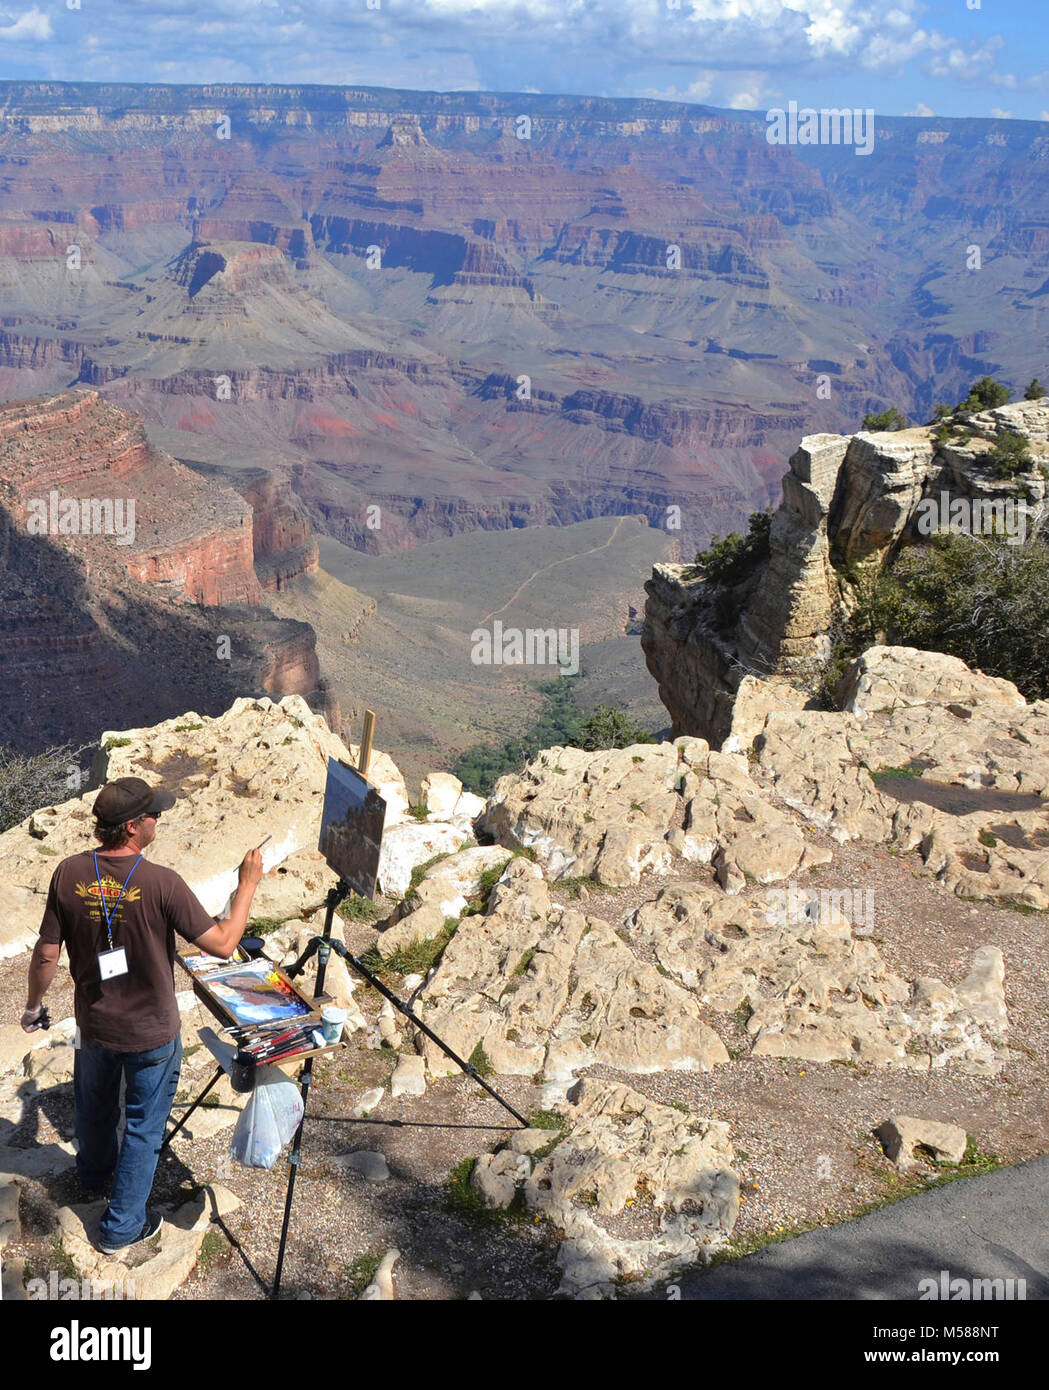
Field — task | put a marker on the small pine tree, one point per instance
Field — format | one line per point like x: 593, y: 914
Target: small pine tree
x: 1035, y: 391
x: 986, y: 394
x: 730, y: 559
x: 1010, y: 455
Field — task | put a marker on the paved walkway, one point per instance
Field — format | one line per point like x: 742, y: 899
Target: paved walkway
x: 991, y: 1227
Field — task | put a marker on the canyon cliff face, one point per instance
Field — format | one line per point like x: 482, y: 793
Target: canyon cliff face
x: 118, y: 564
x: 848, y: 502
x: 479, y: 310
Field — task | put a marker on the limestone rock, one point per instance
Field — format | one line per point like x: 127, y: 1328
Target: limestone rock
x: 258, y: 769
x: 468, y: 807
x: 298, y: 884
x: 755, y: 700
x: 608, y: 814
x: 50, y: 1066
x: 816, y: 990
x: 41, y: 1161
x: 900, y: 1135
x: 409, y: 1079
x: 887, y: 678
x: 528, y: 1141
x: 622, y: 1148
x: 604, y: 814
x: 495, y: 1177
x: 543, y: 988
x: 408, y: 845
x: 368, y: 1101
x: 381, y: 1288
x: 162, y: 1272
x: 440, y: 792
x: 15, y: 1046
x: 444, y: 891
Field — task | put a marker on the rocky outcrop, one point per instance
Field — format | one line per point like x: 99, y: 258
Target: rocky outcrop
x: 613, y: 815
x: 621, y: 1151
x: 847, y: 501
x: 282, y: 538
x: 257, y: 770
x: 541, y: 988
x: 813, y: 989
x: 930, y: 757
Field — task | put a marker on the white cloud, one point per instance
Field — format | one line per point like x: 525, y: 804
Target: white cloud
x: 34, y: 24
x: 1000, y: 115
x: 734, y: 53
x: 921, y: 110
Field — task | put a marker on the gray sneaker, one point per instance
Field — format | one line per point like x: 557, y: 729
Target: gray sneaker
x: 154, y: 1221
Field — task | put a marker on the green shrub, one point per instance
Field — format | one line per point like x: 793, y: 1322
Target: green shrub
x: 608, y: 727
x: 979, y: 599
x: 28, y: 782
x: 891, y: 419
x: 1035, y: 391
x: 1010, y: 455
x: 729, y: 560
x: 986, y: 394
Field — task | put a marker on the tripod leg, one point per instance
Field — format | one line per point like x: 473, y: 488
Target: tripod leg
x: 191, y: 1109
x: 307, y: 1077
x: 341, y: 950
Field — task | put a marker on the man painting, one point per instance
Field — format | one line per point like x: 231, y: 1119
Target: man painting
x: 117, y: 915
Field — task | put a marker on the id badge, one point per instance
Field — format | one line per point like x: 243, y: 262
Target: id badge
x: 112, y: 963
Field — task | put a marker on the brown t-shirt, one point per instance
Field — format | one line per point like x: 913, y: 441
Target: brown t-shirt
x: 137, y: 1011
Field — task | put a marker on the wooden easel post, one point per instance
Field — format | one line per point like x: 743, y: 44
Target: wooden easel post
x: 366, y: 743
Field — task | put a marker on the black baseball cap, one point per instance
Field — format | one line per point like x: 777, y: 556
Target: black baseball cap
x: 127, y: 798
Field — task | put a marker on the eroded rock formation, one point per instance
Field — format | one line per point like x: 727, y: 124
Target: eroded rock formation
x: 848, y: 501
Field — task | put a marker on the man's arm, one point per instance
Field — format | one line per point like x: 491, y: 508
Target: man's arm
x: 223, y: 938
x: 42, y: 967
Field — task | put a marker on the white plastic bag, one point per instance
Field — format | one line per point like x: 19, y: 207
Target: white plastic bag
x: 268, y: 1121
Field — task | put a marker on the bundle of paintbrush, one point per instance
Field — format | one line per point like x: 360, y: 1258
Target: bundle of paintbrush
x: 273, y: 1042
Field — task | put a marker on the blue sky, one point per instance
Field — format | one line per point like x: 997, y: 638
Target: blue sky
x: 900, y: 57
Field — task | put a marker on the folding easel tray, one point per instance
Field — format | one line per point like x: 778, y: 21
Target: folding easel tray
x: 253, y: 991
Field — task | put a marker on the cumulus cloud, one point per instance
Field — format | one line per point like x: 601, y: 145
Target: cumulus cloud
x: 718, y: 52
x: 34, y: 24
x: 921, y: 110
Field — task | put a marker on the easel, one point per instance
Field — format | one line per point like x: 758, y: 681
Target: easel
x: 322, y: 946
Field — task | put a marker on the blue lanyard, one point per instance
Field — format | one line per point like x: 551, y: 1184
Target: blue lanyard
x: 102, y: 896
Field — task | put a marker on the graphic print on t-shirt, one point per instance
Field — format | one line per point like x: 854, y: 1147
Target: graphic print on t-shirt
x: 91, y: 894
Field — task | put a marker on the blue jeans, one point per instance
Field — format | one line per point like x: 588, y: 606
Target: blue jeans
x: 151, y: 1080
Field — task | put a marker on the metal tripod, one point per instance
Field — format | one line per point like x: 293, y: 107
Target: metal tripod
x: 322, y: 947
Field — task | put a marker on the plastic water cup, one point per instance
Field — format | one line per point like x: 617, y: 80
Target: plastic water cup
x: 332, y: 1020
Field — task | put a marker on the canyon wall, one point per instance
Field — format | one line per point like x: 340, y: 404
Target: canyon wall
x: 119, y: 565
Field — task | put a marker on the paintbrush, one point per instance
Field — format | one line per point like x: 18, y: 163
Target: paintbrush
x: 281, y: 1047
